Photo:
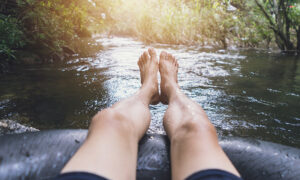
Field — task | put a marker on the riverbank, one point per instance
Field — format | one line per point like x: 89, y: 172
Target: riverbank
x: 83, y: 47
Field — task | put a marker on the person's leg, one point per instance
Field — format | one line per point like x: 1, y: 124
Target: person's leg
x: 110, y: 149
x: 194, y: 141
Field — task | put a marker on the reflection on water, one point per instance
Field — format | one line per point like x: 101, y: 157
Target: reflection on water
x: 245, y: 93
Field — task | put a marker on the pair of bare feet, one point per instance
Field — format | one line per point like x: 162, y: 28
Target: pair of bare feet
x: 168, y: 68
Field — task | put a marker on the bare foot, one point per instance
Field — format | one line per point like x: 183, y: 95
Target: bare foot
x: 168, y: 68
x: 148, y: 65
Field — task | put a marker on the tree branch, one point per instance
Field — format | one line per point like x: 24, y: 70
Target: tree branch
x: 265, y: 13
x: 277, y: 28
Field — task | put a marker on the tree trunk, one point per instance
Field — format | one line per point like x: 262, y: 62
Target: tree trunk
x: 289, y: 44
x: 298, y: 40
x: 280, y: 25
x: 224, y: 43
x: 279, y: 42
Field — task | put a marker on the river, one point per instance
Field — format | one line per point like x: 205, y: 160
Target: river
x: 246, y: 93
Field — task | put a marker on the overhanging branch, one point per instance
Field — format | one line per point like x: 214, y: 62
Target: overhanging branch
x: 265, y: 13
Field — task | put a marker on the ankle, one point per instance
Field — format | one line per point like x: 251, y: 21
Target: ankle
x: 147, y: 93
x: 149, y: 88
x: 172, y: 90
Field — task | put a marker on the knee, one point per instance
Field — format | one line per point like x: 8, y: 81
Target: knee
x: 195, y: 127
x: 111, y: 118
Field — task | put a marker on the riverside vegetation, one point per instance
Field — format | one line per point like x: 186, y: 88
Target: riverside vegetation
x: 44, y: 29
x: 254, y: 23
x: 48, y: 28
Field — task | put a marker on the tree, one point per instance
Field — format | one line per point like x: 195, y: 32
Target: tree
x: 283, y: 17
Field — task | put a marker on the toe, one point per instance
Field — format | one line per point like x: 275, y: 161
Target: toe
x: 145, y: 57
x: 152, y: 52
x: 163, y: 55
x: 174, y: 60
x: 153, y: 55
x: 170, y: 58
x: 142, y: 62
x: 139, y: 61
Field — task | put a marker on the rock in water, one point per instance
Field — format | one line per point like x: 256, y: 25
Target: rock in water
x: 12, y: 127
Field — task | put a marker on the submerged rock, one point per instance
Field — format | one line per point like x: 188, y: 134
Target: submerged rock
x: 12, y: 127
x: 68, y: 50
x: 27, y: 57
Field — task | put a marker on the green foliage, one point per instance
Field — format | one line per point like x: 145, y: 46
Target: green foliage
x: 294, y: 14
x: 282, y: 17
x: 210, y: 22
x: 253, y: 27
x: 51, y: 24
x: 11, y: 37
x: 45, y: 27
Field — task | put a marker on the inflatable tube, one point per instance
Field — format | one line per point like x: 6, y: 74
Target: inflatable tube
x: 41, y: 155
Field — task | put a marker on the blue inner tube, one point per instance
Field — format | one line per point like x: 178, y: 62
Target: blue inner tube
x: 41, y: 155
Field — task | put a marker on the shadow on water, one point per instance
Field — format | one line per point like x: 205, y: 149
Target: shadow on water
x: 49, y: 97
x: 245, y: 93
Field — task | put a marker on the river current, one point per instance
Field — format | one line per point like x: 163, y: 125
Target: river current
x: 246, y: 93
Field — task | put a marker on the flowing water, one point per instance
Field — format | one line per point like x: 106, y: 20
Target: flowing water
x: 245, y: 93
